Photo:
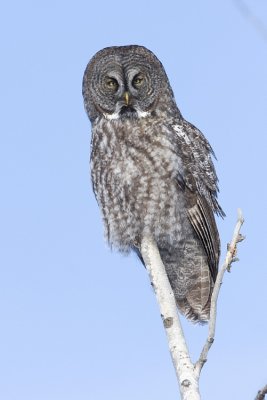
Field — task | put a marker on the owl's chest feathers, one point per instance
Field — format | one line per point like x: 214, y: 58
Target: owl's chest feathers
x: 130, y: 149
x: 134, y: 172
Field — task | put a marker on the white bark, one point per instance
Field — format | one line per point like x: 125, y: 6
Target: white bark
x: 261, y: 393
x: 187, y: 373
x: 184, y: 368
x: 230, y: 257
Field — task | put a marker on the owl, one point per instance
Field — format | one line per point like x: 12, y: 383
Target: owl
x: 152, y: 172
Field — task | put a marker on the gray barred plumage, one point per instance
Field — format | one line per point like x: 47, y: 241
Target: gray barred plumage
x: 152, y: 172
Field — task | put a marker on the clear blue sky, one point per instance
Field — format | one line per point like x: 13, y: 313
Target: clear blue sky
x: 76, y: 320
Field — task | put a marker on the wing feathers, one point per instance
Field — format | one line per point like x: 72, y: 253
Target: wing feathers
x: 201, y: 186
x: 203, y: 222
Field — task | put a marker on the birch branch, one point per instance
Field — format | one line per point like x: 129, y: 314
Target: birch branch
x: 261, y: 393
x: 184, y: 368
x: 229, y: 259
x: 187, y: 373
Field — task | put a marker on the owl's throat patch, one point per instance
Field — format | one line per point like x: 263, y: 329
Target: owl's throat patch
x: 128, y: 112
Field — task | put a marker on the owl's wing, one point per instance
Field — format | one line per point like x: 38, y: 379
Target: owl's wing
x: 201, y: 187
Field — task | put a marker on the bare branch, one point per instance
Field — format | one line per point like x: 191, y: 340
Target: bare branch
x: 230, y: 257
x: 184, y: 368
x: 255, y: 21
x: 261, y: 393
x: 187, y: 373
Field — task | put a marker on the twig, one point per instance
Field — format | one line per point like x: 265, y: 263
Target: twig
x: 261, y: 393
x: 255, y: 21
x: 230, y: 257
x: 183, y: 365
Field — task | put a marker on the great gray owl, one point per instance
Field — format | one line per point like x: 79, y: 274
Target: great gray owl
x: 152, y: 171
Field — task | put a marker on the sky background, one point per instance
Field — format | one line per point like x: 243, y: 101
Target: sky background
x: 78, y: 321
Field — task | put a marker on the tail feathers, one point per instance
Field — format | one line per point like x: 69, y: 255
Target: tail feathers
x: 195, y: 306
x: 193, y: 311
x: 198, y: 297
x: 192, y: 283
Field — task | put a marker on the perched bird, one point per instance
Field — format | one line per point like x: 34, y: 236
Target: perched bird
x: 152, y: 172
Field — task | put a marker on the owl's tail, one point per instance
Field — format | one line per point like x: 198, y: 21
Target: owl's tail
x: 191, y: 281
x: 192, y: 305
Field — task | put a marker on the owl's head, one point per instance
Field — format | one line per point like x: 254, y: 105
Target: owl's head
x: 126, y: 82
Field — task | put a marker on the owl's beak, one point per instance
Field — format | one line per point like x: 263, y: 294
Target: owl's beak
x: 126, y: 98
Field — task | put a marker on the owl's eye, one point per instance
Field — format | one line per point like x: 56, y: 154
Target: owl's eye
x: 138, y: 81
x: 111, y: 84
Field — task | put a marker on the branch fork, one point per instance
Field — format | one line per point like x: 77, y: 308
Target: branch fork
x: 187, y: 372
